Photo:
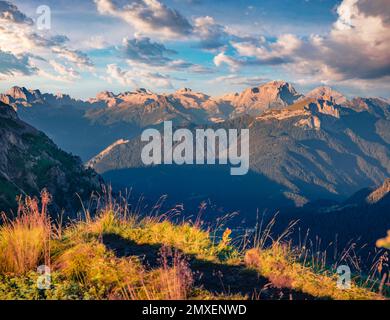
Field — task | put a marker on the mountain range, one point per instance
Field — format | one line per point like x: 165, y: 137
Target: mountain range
x: 303, y: 148
x: 87, y: 127
x: 322, y: 146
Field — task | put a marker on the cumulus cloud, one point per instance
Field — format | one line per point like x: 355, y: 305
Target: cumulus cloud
x: 359, y: 43
x: 9, y: 12
x: 151, y: 17
x: 136, y: 78
x: 148, y: 17
x: 125, y: 78
x: 77, y: 57
x: 11, y: 65
x: 357, y: 47
x: 143, y: 51
x: 260, y: 52
x: 277, y: 52
x: 211, y: 34
x: 222, y: 58
x: 68, y: 73
x: 17, y: 37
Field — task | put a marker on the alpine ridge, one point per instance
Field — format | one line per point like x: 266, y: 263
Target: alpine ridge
x: 315, y: 146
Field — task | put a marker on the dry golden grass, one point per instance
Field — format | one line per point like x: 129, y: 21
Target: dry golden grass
x: 25, y: 241
x: 172, y: 281
x: 280, y: 265
x: 83, y: 267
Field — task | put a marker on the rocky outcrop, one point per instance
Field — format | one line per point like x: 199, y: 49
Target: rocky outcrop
x: 256, y: 100
x: 327, y: 94
x: 30, y: 162
x: 379, y: 193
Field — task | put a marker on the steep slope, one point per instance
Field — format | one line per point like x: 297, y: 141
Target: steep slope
x: 311, y: 150
x: 362, y: 219
x: 327, y: 94
x: 30, y: 161
x: 64, y: 120
x: 86, y: 127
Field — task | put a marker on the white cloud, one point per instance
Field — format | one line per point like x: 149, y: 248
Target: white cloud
x: 125, y: 78
x: 142, y: 51
x: 18, y: 37
x: 237, y: 80
x: 270, y: 53
x: 12, y: 65
x: 9, y: 12
x: 96, y: 42
x: 68, y: 73
x: 211, y: 35
x: 222, y: 59
x: 78, y: 58
x: 136, y: 78
x: 148, y: 17
x: 357, y: 47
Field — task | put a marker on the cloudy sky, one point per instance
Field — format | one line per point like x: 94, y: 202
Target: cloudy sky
x: 214, y: 46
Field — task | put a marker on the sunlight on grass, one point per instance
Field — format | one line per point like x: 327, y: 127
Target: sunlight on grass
x: 84, y: 267
x: 385, y: 242
x: 24, y: 241
x: 279, y: 264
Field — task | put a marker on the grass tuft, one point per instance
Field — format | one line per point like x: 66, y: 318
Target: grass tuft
x: 25, y: 241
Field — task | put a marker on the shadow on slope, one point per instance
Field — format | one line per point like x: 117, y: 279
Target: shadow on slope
x: 219, y: 279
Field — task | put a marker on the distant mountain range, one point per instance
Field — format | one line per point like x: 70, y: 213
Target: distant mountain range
x: 87, y: 127
x: 30, y: 162
x: 303, y: 148
x: 312, y: 149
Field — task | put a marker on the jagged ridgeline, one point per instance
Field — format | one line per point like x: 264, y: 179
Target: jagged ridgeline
x: 303, y: 148
x: 322, y: 146
x: 30, y: 161
x: 87, y: 127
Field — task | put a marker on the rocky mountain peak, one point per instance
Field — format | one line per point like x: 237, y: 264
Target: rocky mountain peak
x: 18, y: 92
x: 328, y: 94
x: 143, y: 91
x: 256, y: 100
x: 324, y: 107
x: 104, y: 95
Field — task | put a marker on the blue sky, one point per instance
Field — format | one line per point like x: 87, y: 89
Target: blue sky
x: 216, y: 47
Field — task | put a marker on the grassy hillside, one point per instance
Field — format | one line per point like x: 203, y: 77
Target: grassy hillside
x: 120, y: 255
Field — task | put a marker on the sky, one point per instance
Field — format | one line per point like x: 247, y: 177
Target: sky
x: 216, y: 47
